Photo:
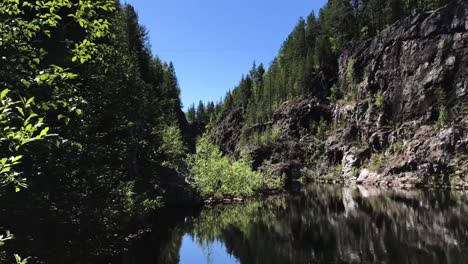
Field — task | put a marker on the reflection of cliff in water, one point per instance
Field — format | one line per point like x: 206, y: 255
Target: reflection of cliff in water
x: 329, y: 224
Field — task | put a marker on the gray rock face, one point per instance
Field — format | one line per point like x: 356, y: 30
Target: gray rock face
x: 227, y: 133
x: 418, y: 71
x: 403, y: 120
x: 300, y: 114
x: 414, y: 63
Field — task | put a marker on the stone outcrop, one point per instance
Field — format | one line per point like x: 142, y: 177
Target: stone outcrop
x: 415, y: 63
x: 408, y: 90
x: 402, y: 119
x: 227, y: 132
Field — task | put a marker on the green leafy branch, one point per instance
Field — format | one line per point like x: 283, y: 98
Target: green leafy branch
x: 20, y: 126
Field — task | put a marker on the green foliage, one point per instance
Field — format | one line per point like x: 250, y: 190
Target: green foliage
x: 21, y: 126
x: 351, y: 95
x: 442, y: 120
x: 276, y: 133
x: 6, y: 237
x: 216, y: 176
x: 172, y: 147
x: 377, y: 162
x: 212, y: 224
x: 443, y: 115
x: 270, y: 180
x: 379, y: 100
x: 268, y: 136
x: 85, y: 107
x: 321, y: 130
x: 397, y: 148
x: 23, y: 114
x: 123, y: 198
x: 19, y: 260
x: 335, y: 94
x: 191, y: 114
x: 350, y: 71
x: 152, y: 204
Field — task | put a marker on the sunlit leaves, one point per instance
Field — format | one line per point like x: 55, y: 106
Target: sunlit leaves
x: 20, y: 260
x: 172, y: 147
x: 32, y: 90
x: 6, y: 237
x: 216, y: 176
x: 20, y: 125
x: 4, y: 93
x: 96, y: 28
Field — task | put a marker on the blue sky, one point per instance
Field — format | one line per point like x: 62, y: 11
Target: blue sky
x: 213, y: 42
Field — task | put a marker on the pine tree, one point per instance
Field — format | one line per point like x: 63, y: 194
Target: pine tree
x: 191, y: 114
x: 201, y: 113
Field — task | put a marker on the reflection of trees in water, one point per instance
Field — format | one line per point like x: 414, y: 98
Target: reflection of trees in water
x: 318, y: 224
x: 69, y: 237
x: 327, y: 223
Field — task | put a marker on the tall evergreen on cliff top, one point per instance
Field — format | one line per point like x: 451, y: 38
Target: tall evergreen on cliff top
x: 307, y: 61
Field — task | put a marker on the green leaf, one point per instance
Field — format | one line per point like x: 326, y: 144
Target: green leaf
x: 17, y: 158
x: 74, y: 58
x: 20, y: 110
x: 5, y: 169
x: 29, y: 118
x: 25, y: 83
x: 30, y: 101
x: 4, y: 93
x: 17, y: 189
x: 43, y: 77
x: 44, y: 131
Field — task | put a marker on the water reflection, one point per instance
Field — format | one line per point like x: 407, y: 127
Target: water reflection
x: 335, y: 224
x: 316, y: 224
x: 212, y: 252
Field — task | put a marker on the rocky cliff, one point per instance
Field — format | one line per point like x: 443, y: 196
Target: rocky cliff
x: 406, y: 92
x: 401, y: 117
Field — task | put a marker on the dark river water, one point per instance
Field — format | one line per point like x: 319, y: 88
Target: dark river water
x: 315, y: 224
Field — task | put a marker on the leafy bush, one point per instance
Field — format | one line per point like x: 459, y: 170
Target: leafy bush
x: 443, y: 117
x: 123, y: 197
x: 350, y: 71
x: 152, y: 204
x: 269, y: 181
x: 351, y: 96
x: 377, y: 162
x: 321, y: 130
x: 442, y: 121
x: 379, y: 100
x: 334, y: 94
x: 172, y: 147
x: 269, y: 136
x: 216, y: 176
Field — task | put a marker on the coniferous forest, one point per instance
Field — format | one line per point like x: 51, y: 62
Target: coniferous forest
x: 92, y: 125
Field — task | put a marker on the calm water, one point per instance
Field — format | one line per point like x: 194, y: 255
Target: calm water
x: 316, y: 224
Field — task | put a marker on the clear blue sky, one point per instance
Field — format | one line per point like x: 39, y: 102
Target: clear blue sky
x: 213, y: 42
